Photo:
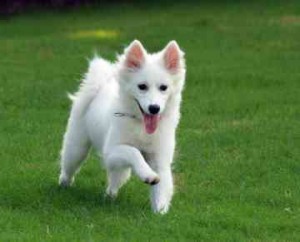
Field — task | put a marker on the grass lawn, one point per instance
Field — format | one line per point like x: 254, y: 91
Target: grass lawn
x: 237, y: 167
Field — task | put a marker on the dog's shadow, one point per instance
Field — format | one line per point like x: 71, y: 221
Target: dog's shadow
x: 48, y: 195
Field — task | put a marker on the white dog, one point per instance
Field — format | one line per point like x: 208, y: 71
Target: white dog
x: 128, y: 111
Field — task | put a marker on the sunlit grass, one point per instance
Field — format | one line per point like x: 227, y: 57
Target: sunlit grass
x: 93, y: 34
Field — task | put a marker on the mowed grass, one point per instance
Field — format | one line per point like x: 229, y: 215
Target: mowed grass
x: 237, y: 168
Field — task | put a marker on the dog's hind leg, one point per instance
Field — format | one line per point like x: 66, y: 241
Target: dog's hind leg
x: 116, y: 179
x: 75, y: 149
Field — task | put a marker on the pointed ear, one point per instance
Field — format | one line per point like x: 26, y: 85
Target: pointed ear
x: 173, y: 57
x: 135, y: 55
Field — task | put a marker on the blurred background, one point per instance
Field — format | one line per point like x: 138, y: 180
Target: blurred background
x: 8, y: 7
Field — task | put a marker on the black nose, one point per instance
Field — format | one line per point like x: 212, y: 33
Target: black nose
x: 154, y: 109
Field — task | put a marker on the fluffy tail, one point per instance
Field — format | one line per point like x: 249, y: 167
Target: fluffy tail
x: 100, y: 72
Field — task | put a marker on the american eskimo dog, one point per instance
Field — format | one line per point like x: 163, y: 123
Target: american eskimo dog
x: 128, y: 111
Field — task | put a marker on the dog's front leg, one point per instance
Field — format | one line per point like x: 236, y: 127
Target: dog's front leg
x: 124, y: 156
x: 161, y: 194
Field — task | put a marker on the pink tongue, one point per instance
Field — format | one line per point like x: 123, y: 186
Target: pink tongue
x: 151, y: 122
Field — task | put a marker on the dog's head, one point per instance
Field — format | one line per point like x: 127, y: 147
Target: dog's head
x: 151, y: 80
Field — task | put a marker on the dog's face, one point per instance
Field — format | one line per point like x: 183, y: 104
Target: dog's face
x: 152, y: 79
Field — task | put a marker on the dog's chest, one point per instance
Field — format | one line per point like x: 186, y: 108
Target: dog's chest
x: 134, y: 134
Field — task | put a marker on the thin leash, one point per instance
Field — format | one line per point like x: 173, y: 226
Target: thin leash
x: 126, y: 115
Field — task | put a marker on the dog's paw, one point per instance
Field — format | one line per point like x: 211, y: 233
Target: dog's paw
x: 152, y: 180
x: 160, y: 207
x: 160, y: 202
x: 109, y: 193
x: 65, y: 181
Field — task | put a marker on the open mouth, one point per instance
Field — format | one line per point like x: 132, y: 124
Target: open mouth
x: 150, y: 120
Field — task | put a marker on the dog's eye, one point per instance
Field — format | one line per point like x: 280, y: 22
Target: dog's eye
x: 143, y: 87
x: 163, y: 87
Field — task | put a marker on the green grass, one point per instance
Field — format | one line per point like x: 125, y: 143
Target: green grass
x: 237, y: 167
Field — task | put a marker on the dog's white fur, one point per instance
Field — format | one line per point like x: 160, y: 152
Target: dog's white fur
x: 105, y: 115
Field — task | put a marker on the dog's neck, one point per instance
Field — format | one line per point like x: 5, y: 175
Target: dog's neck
x: 127, y: 108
